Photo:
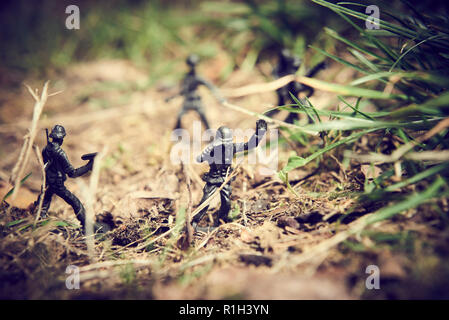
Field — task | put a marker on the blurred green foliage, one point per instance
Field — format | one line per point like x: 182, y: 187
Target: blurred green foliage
x: 37, y: 40
x: 155, y: 35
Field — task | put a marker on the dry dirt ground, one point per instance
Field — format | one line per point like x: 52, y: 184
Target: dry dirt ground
x: 280, y: 246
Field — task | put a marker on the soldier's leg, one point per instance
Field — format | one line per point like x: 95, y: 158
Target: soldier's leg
x: 74, y: 202
x: 178, y: 120
x: 203, y: 118
x: 208, y: 190
x: 46, y: 202
x: 225, y: 195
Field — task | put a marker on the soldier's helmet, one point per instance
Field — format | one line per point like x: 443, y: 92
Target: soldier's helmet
x: 223, y: 135
x: 192, y: 60
x: 58, y: 132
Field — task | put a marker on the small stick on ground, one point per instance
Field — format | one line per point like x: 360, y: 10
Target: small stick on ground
x: 245, y: 219
x: 44, y: 185
x: 189, y: 229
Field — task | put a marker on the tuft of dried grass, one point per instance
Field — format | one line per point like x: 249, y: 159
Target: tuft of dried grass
x: 25, y: 152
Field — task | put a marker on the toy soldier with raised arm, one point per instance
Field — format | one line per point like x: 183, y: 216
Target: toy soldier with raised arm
x: 219, y: 155
x: 192, y: 100
x: 289, y: 64
x: 57, y: 168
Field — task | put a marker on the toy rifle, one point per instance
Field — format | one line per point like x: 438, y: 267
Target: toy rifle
x: 47, y: 164
x: 172, y: 97
x: 46, y: 132
x: 89, y: 156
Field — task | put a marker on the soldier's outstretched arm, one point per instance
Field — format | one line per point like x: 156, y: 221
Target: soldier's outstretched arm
x: 81, y: 170
x: 253, y: 142
x: 212, y: 88
x: 69, y: 169
x: 173, y: 96
x: 206, y: 154
x: 181, y: 92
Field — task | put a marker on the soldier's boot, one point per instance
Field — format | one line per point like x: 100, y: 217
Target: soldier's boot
x: 81, y: 216
x: 99, y: 227
x: 196, y: 219
x: 46, y: 201
x: 34, y: 207
x: 225, y: 207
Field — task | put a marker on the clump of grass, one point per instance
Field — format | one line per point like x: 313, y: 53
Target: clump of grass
x: 155, y: 35
x: 144, y: 32
x: 403, y: 69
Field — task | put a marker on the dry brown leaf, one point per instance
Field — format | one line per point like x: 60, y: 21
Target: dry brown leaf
x: 246, y: 236
x: 24, y: 198
x: 370, y: 172
x: 289, y: 222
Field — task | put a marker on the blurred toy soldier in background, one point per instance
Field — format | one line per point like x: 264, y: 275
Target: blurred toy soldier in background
x: 57, y: 168
x: 289, y: 64
x: 219, y: 155
x: 192, y: 100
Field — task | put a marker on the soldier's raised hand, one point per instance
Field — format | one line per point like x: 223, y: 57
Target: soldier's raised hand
x: 222, y: 100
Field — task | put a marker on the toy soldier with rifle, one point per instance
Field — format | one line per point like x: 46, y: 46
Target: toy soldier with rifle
x: 288, y: 64
x: 192, y: 100
x: 219, y: 155
x: 57, y: 168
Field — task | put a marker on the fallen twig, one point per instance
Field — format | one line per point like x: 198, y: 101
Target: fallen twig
x: 189, y: 229
x: 44, y: 185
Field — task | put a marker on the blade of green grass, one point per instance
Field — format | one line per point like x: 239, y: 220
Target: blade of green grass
x: 335, y: 35
x: 15, y: 222
x: 364, y: 60
x: 355, y: 109
x: 10, y: 192
x: 296, y: 161
x: 346, y: 90
x: 410, y: 202
x: 418, y: 177
x: 340, y: 60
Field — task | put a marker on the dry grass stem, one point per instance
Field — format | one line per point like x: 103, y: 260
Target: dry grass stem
x: 44, y: 183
